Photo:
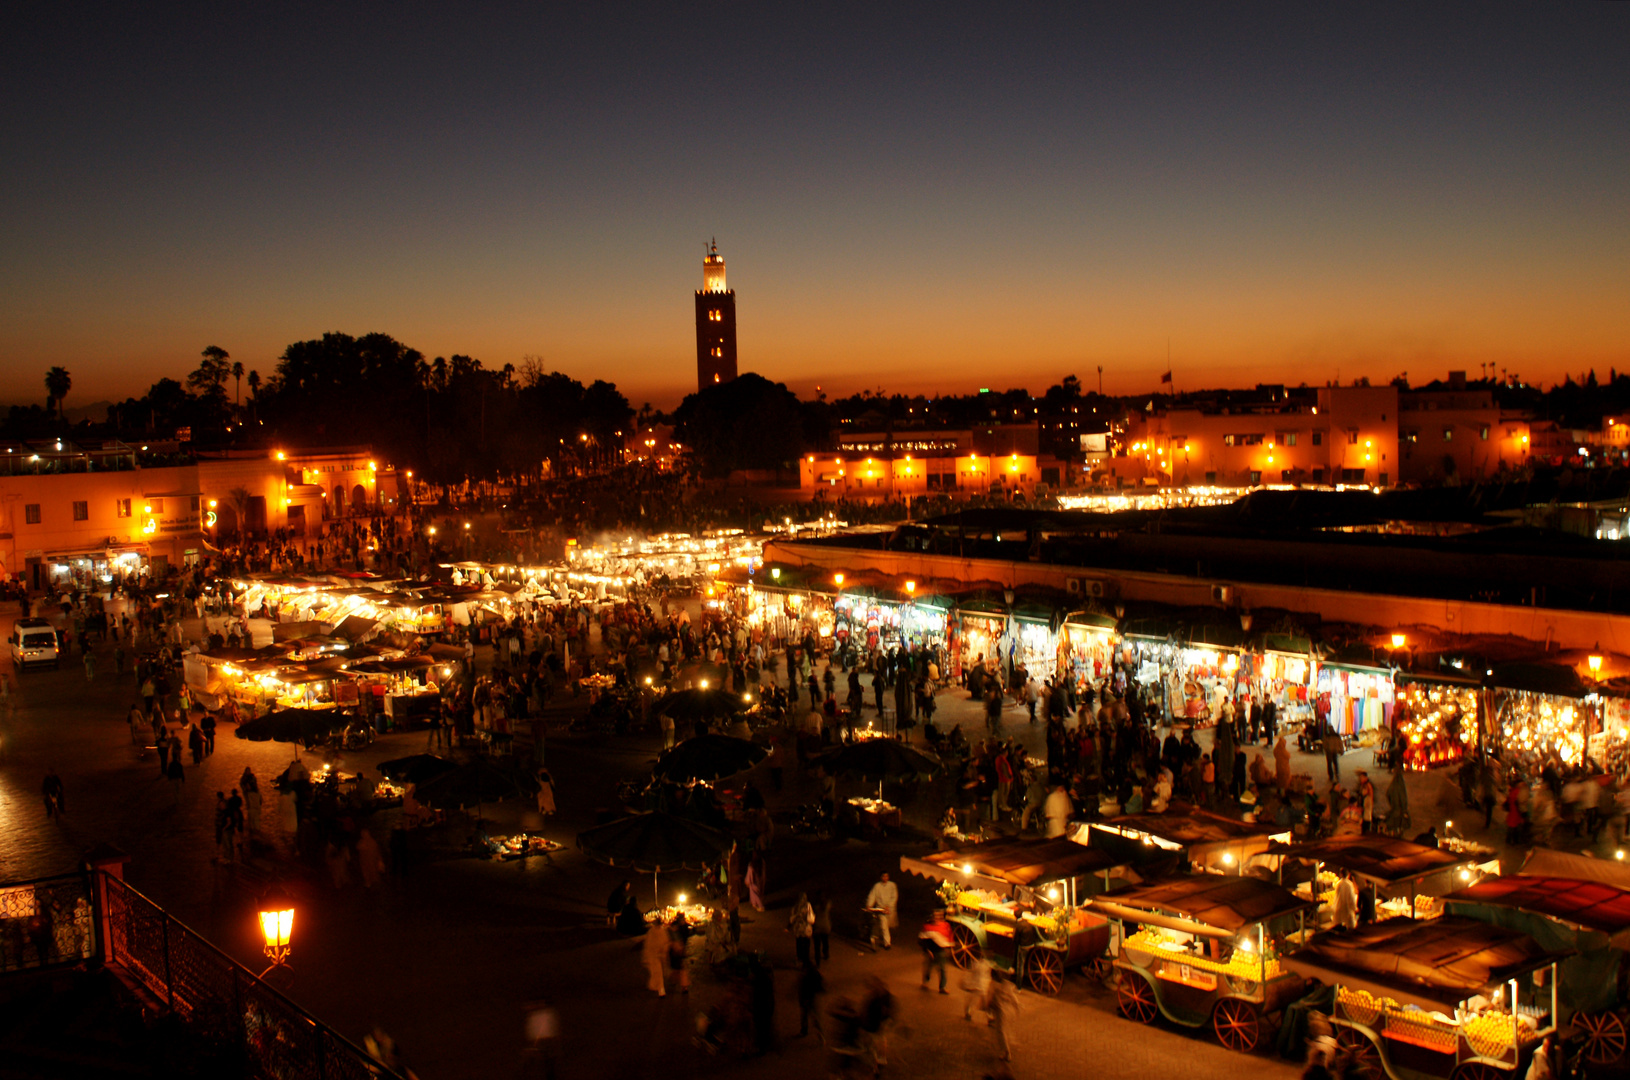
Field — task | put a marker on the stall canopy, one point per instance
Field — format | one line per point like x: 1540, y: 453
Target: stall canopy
x: 1433, y: 963
x: 1590, y: 904
x: 1205, y: 836
x: 1558, y: 680
x: 1379, y: 860
x: 1543, y: 862
x: 1208, y: 905
x: 1028, y: 861
x: 354, y: 628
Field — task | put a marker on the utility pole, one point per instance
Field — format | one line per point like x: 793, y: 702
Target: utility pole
x: 1100, y: 380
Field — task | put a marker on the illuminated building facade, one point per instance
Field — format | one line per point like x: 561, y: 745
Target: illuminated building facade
x: 884, y: 465
x: 715, y: 324
x: 98, y: 512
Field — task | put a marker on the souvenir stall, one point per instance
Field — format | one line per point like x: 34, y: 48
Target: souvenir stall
x: 1356, y: 700
x: 1437, y: 721
x: 1535, y: 725
x: 1610, y: 747
x: 1087, y: 646
x: 1285, y: 672
x: 979, y: 636
x: 872, y: 619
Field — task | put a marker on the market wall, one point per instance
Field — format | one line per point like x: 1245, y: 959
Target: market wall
x: 1559, y: 628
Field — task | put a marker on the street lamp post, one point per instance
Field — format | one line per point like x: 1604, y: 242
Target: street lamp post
x: 276, y: 926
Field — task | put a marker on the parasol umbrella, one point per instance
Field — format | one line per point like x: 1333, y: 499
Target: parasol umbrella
x: 655, y: 842
x: 693, y: 705
x: 473, y: 783
x: 415, y: 768
x: 299, y: 726
x: 709, y: 757
x: 880, y: 760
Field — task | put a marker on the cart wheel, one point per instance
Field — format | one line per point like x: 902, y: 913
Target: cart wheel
x: 1603, y: 1036
x: 965, y: 948
x: 1136, y: 999
x: 1364, y: 1058
x: 1103, y: 969
x: 1046, y: 970
x: 1476, y: 1070
x: 1236, y: 1024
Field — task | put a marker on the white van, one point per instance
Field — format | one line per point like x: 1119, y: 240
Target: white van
x: 33, y: 641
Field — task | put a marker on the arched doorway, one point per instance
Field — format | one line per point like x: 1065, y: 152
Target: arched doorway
x: 359, y: 498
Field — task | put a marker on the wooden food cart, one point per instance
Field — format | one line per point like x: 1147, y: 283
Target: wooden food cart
x: 1205, y: 951
x: 1449, y: 997
x: 1402, y: 878
x: 1567, y: 910
x: 1017, y: 902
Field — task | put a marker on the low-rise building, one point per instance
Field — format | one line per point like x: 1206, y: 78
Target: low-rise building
x: 1329, y: 435
x: 114, y: 509
x: 876, y: 465
x: 1451, y: 430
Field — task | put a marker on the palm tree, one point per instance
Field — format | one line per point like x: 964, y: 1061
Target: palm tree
x: 238, y: 498
x: 237, y: 382
x: 57, y: 384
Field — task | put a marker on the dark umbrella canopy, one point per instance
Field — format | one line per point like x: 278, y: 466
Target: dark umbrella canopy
x: 701, y: 704
x: 479, y: 781
x: 654, y: 842
x: 415, y: 768
x: 881, y: 759
x: 709, y: 757
x: 303, y: 726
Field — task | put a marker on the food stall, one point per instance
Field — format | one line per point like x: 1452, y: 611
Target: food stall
x: 1403, y: 878
x: 1019, y: 902
x: 1206, y: 841
x: 1577, y: 905
x: 1204, y: 950
x: 1447, y: 997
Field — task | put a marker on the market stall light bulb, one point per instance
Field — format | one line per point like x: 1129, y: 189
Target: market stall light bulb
x: 681, y: 898
x: 1619, y: 854
x: 967, y: 868
x: 704, y: 684
x: 1052, y: 894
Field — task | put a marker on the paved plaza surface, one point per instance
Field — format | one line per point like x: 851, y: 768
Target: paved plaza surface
x: 447, y: 954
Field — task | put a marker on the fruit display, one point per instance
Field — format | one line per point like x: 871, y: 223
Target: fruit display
x: 1361, y: 1006
x: 1241, y: 965
x: 1420, y: 1028
x: 1490, y: 1033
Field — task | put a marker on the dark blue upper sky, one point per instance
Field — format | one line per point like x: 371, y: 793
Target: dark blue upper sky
x: 930, y: 197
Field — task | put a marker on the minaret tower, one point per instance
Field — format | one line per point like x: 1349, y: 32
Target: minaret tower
x: 715, y: 324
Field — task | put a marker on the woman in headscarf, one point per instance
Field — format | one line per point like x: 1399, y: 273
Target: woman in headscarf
x: 1397, y: 802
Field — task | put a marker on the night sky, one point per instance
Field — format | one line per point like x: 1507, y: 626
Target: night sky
x: 930, y: 198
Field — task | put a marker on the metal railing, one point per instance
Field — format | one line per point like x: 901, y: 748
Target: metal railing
x: 223, y: 1001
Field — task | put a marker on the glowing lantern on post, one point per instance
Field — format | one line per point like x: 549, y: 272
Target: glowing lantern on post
x: 1595, y: 663
x: 276, y: 925
x: 1398, y: 641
